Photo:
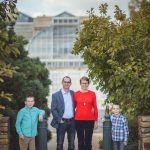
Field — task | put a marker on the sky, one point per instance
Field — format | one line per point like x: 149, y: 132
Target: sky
x: 36, y: 8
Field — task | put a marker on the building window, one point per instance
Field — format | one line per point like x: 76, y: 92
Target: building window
x: 70, y: 21
x: 65, y: 21
x: 60, y: 21
x: 55, y: 21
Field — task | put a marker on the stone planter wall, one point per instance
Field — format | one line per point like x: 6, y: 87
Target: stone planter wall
x: 144, y: 133
x: 4, y: 133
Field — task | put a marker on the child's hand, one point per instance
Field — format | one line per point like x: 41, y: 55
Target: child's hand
x: 21, y: 137
x: 125, y: 143
x: 40, y: 118
x: 103, y: 119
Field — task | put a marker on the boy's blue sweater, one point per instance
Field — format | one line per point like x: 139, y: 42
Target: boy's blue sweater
x: 27, y: 120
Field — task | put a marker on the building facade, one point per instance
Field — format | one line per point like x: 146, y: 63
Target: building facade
x: 51, y: 39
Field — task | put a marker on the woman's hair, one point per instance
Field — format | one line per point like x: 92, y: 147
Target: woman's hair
x: 84, y: 78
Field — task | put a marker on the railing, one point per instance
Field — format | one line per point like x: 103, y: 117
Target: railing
x: 42, y: 135
x: 107, y: 140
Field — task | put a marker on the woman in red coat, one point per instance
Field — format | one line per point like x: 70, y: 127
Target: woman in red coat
x: 86, y: 114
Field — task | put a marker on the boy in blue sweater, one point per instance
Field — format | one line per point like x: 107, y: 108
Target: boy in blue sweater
x: 26, y: 124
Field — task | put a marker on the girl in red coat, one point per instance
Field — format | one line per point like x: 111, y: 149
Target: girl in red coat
x: 86, y: 114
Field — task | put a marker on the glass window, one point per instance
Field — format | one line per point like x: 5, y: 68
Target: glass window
x: 60, y: 21
x: 55, y: 21
x: 65, y: 21
x: 70, y: 21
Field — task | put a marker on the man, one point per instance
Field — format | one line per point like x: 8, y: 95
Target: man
x: 62, y: 108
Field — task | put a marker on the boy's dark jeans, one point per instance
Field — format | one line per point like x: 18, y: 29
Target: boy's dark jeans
x: 69, y: 127
x: 119, y: 145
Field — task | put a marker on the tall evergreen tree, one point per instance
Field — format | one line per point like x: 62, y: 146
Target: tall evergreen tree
x: 8, y: 14
x: 20, y: 76
x: 31, y: 78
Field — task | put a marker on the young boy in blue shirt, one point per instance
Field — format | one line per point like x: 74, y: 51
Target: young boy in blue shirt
x: 26, y: 124
x: 119, y: 128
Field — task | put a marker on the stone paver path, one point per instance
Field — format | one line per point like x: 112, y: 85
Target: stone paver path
x: 95, y: 142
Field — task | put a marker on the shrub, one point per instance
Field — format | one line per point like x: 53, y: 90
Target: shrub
x: 133, y: 134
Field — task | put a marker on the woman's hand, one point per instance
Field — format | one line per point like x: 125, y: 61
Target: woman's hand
x: 96, y: 125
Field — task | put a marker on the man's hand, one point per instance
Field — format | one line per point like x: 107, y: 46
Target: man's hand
x: 61, y: 121
x: 125, y: 143
x: 40, y: 118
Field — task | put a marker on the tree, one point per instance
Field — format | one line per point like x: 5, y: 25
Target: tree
x: 118, y: 55
x: 31, y: 78
x: 8, y: 10
x: 8, y: 14
x: 20, y: 75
